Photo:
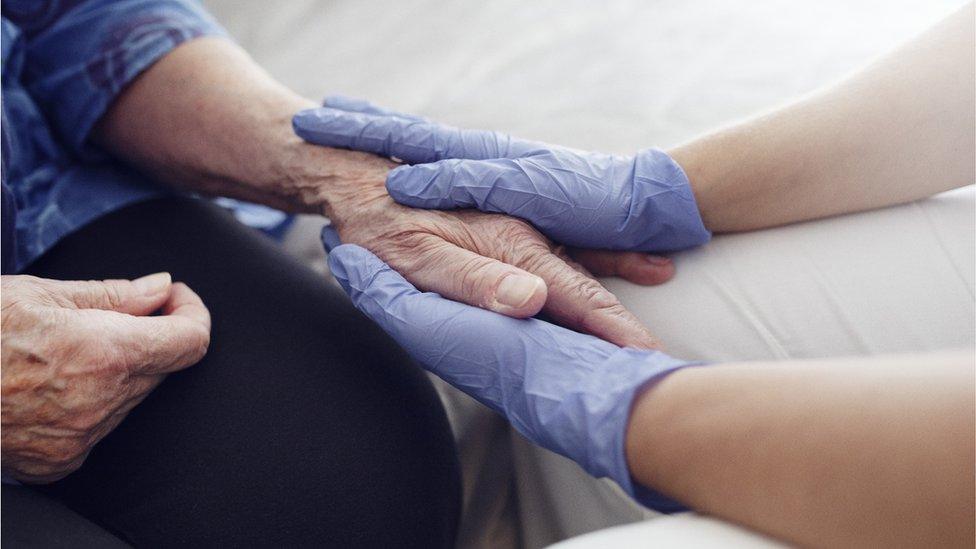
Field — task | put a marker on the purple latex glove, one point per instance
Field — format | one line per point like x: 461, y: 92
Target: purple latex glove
x: 566, y: 391
x: 590, y: 200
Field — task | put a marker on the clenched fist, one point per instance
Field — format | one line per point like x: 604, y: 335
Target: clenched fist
x: 78, y: 356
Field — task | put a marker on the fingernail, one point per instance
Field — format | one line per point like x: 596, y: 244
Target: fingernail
x: 516, y: 290
x: 153, y: 284
x: 657, y: 260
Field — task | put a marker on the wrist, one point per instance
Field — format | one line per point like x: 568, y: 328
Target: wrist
x: 280, y: 169
x: 653, y: 407
x: 698, y: 180
x: 653, y: 449
x: 670, y: 219
x: 332, y: 182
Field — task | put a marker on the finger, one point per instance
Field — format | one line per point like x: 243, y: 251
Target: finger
x: 330, y: 237
x: 409, y: 140
x: 374, y: 287
x: 639, y: 268
x: 353, y: 104
x: 162, y: 344
x: 184, y: 303
x: 138, y: 297
x: 579, y: 302
x: 522, y: 188
x: 481, y: 281
x: 459, y: 342
x: 471, y: 278
x: 462, y: 275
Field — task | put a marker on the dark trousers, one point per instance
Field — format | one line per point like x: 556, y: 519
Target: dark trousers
x: 303, y: 426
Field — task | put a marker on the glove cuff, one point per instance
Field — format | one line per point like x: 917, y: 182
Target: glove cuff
x: 663, y: 197
x: 652, y: 368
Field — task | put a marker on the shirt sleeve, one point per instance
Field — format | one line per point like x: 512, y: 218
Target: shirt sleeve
x: 82, y: 53
x: 8, y: 220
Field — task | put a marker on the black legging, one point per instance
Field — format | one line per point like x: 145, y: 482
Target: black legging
x: 303, y: 426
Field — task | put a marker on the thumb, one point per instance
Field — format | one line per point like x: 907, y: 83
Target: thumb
x: 445, y: 336
x: 137, y: 297
x: 373, y: 286
x: 174, y: 340
x: 412, y: 140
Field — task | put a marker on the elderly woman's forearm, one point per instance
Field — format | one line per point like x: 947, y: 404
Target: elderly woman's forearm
x: 900, y: 130
x: 840, y: 452
x: 206, y: 118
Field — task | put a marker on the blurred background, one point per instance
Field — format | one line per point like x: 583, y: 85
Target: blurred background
x: 614, y: 76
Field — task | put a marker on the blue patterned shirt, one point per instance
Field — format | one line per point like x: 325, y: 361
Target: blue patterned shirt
x: 64, y: 62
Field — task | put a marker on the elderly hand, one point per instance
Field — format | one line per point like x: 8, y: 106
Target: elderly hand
x: 77, y: 356
x: 568, y: 392
x: 637, y: 203
x: 492, y: 261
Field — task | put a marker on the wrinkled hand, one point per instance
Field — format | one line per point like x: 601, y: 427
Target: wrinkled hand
x: 641, y: 203
x: 569, y: 392
x: 492, y: 261
x: 78, y: 356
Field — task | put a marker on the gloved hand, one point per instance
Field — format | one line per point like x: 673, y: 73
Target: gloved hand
x: 585, y: 199
x: 568, y: 392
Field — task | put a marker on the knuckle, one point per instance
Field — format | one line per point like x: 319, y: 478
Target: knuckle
x: 64, y: 453
x: 413, y: 249
x: 475, y: 279
x: 32, y: 288
x: 113, y: 357
x: 197, y: 345
x: 595, y: 295
x: 598, y: 303
x: 522, y: 245
x: 517, y: 230
x: 203, y: 341
x: 103, y: 292
x: 112, y: 362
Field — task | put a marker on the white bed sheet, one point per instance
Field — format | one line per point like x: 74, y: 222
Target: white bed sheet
x: 618, y: 76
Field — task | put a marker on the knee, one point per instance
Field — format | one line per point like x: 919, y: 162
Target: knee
x: 375, y: 462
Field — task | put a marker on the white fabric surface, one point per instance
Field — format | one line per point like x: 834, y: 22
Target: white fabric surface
x: 894, y: 280
x: 618, y: 76
x: 686, y: 530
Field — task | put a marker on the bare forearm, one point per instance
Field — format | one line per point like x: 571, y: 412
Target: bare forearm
x: 206, y: 118
x: 856, y: 452
x: 900, y: 130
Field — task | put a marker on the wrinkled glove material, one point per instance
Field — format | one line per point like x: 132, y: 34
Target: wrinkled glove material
x: 568, y: 392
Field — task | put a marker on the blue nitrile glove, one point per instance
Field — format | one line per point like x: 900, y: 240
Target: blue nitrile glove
x: 568, y: 392
x: 592, y: 200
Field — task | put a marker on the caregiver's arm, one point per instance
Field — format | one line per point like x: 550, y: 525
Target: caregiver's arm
x: 857, y: 452
x: 900, y: 130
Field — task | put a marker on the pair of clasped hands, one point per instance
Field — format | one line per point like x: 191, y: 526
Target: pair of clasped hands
x: 568, y: 391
